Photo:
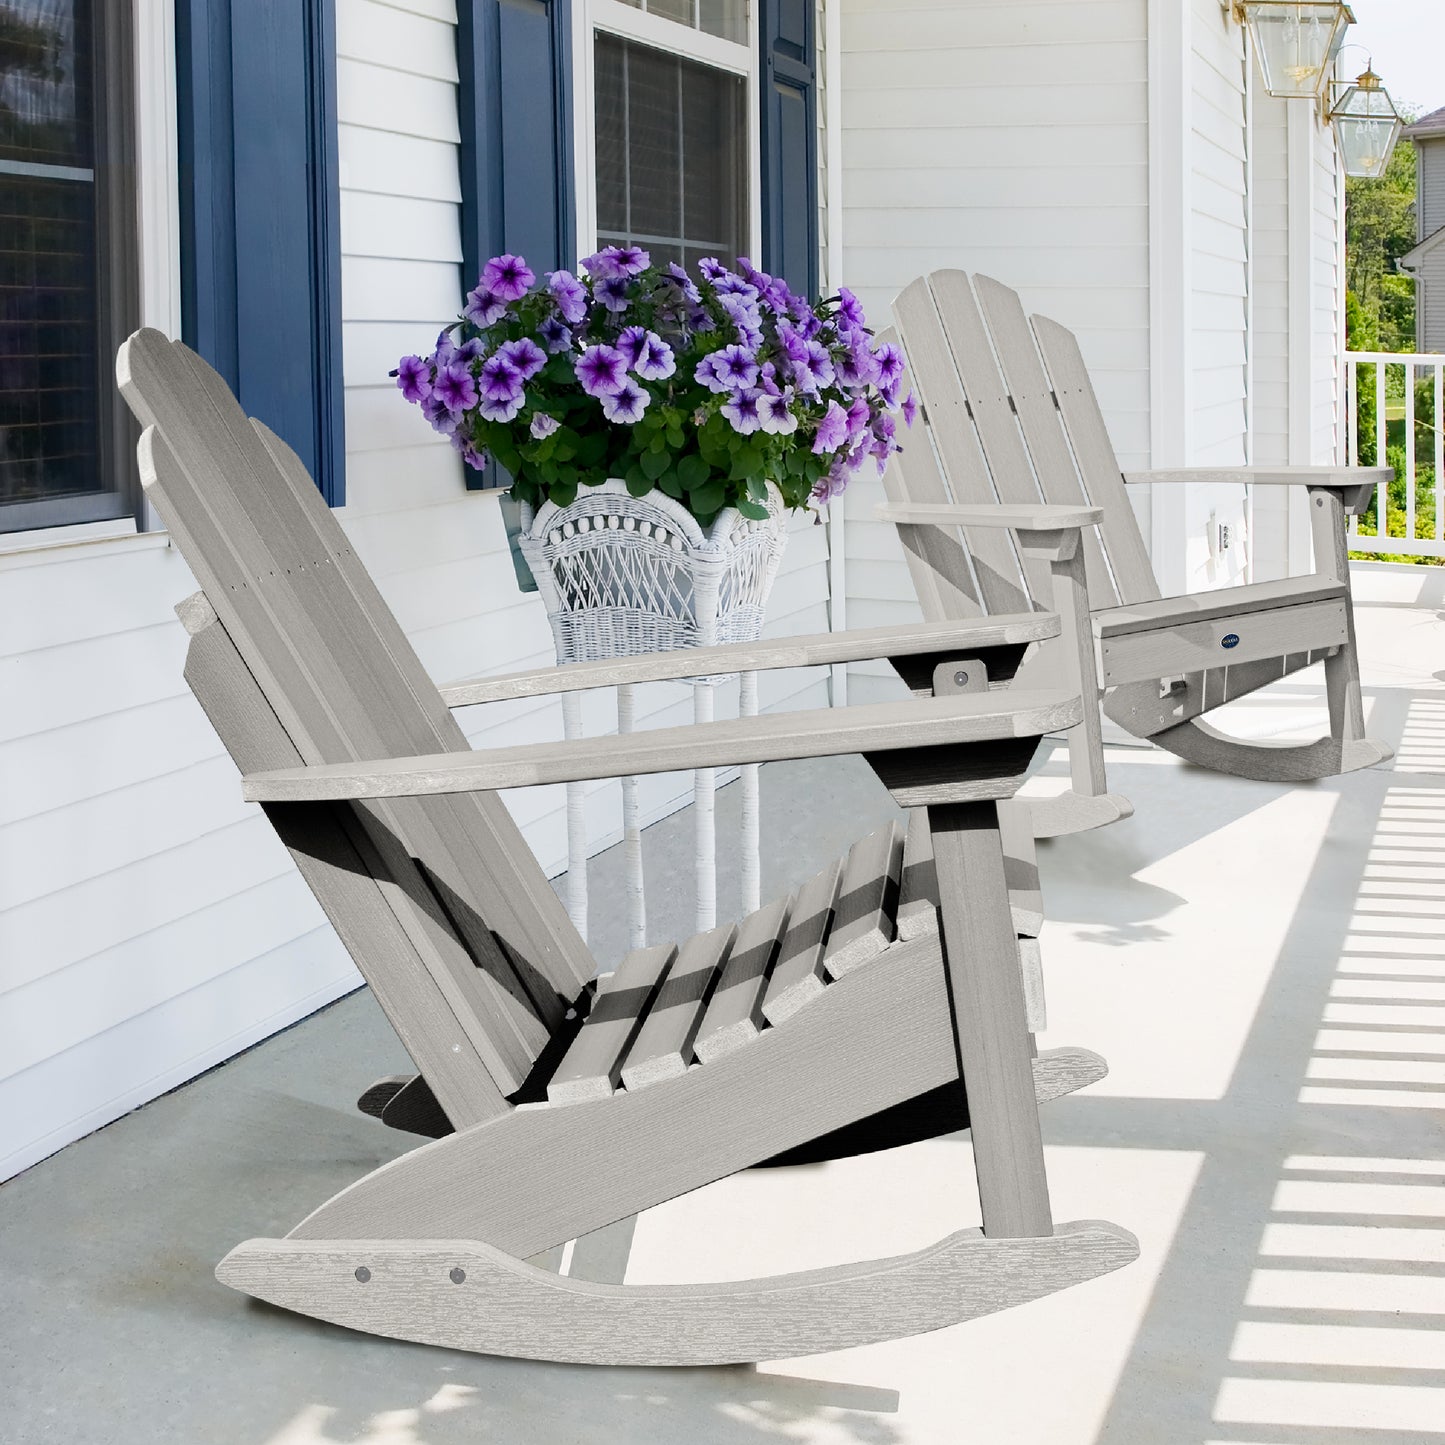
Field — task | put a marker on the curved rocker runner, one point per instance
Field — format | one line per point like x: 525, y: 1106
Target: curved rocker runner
x: 892, y: 997
x: 1019, y: 502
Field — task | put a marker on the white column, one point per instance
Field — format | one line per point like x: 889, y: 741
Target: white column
x: 576, y: 822
x: 704, y: 787
x: 631, y: 834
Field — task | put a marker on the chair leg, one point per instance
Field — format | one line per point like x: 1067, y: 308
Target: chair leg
x: 1342, y: 670
x: 1069, y: 662
x: 990, y: 1023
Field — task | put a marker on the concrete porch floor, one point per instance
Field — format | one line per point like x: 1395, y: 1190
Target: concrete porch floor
x: 1264, y: 969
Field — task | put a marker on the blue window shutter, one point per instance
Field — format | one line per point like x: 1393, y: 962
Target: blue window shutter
x: 788, y: 32
x: 260, y: 214
x: 515, y: 63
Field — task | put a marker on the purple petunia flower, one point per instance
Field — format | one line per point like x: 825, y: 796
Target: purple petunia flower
x: 500, y: 380
x: 484, y: 307
x: 700, y: 320
x: 831, y: 483
x: 508, y: 276
x: 525, y: 355
x: 745, y: 318
x: 857, y: 366
x: 889, y: 360
x: 814, y: 370
x: 775, y: 413
x: 647, y: 353
x: 684, y: 283
x: 850, y: 309
x: 910, y: 409
x: 730, y: 285
x: 446, y: 348
x: 500, y: 408
x: 544, y: 425
x: 742, y: 412
x: 602, y: 370
x: 859, y: 416
x: 626, y: 404
x: 711, y: 269
x: 413, y: 376
x: 614, y: 292
x: 832, y: 430
x: 472, y: 350
x: 455, y: 387
x: 617, y: 261
x: 731, y: 369
x: 469, y: 453
x: 567, y: 291
x: 555, y: 334
x: 434, y: 409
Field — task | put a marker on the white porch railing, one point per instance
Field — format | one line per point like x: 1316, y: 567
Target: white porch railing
x: 1407, y: 388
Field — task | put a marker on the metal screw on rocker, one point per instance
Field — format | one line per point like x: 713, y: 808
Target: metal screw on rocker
x: 363, y: 1274
x: 960, y: 679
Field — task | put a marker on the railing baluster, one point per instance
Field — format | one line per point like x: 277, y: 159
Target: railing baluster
x: 1352, y: 425
x: 1382, y: 492
x: 1410, y: 450
x: 1439, y: 450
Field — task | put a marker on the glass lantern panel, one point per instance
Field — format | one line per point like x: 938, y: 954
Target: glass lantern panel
x: 1294, y: 40
x: 1366, y: 143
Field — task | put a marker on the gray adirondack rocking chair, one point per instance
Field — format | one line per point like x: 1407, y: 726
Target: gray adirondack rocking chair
x: 1013, y: 497
x: 843, y: 1018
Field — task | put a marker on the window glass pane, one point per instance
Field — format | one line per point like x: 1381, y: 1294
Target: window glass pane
x: 671, y: 153
x: 50, y: 303
x: 727, y: 19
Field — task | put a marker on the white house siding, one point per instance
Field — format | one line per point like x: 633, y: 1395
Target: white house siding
x: 1011, y: 140
x: 1218, y: 260
x: 1269, y: 325
x: 150, y: 924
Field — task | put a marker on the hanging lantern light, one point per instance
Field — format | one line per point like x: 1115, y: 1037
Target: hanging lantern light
x: 1367, y: 125
x: 1296, y: 42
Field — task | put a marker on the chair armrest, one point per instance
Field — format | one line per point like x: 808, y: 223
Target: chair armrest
x: 1356, y: 485
x: 1028, y: 518
x: 831, y: 732
x: 814, y: 650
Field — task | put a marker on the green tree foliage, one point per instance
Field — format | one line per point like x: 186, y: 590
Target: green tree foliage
x: 1379, y: 229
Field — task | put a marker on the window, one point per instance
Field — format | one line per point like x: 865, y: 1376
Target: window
x: 68, y: 271
x: 673, y: 138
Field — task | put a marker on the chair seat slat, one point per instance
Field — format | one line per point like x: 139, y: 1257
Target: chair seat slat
x: 863, y: 917
x: 592, y: 1067
x: 663, y: 1047
x: 797, y: 975
x: 735, y: 1011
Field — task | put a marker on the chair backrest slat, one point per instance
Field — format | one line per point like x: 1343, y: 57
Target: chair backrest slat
x: 346, y: 685
x: 937, y: 559
x: 1038, y: 419
x: 1098, y: 465
x: 990, y: 409
x: 964, y: 470
x: 1015, y: 420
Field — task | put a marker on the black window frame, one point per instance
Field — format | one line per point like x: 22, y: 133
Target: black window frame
x: 117, y: 253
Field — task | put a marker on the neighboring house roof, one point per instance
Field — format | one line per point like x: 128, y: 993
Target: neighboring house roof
x: 1428, y: 125
x: 1412, y: 258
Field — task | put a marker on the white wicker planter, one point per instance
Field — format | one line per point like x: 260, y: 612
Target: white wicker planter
x: 621, y: 575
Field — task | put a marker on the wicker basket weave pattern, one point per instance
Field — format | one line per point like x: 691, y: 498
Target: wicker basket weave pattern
x: 622, y: 575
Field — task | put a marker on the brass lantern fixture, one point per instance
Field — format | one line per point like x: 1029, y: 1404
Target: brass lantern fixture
x: 1296, y: 42
x: 1367, y: 125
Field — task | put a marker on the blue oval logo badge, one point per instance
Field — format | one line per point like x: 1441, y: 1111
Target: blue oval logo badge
x: 1230, y: 639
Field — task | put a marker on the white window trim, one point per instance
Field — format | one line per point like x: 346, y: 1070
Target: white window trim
x: 615, y: 18
x: 158, y: 222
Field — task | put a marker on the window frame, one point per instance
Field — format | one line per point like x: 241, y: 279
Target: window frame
x: 742, y: 58
x: 115, y: 167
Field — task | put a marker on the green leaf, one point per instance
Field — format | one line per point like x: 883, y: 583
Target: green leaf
x: 754, y: 511
x: 639, y: 484
x: 757, y: 489
x: 670, y: 484
x: 656, y: 461
x: 693, y: 471
x: 796, y: 461
x: 747, y: 462
x: 708, y: 499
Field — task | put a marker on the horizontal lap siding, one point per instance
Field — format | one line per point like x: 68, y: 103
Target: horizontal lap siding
x: 1218, y: 258
x: 1325, y: 322
x: 1269, y: 319
x: 150, y: 923
x: 1010, y: 140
